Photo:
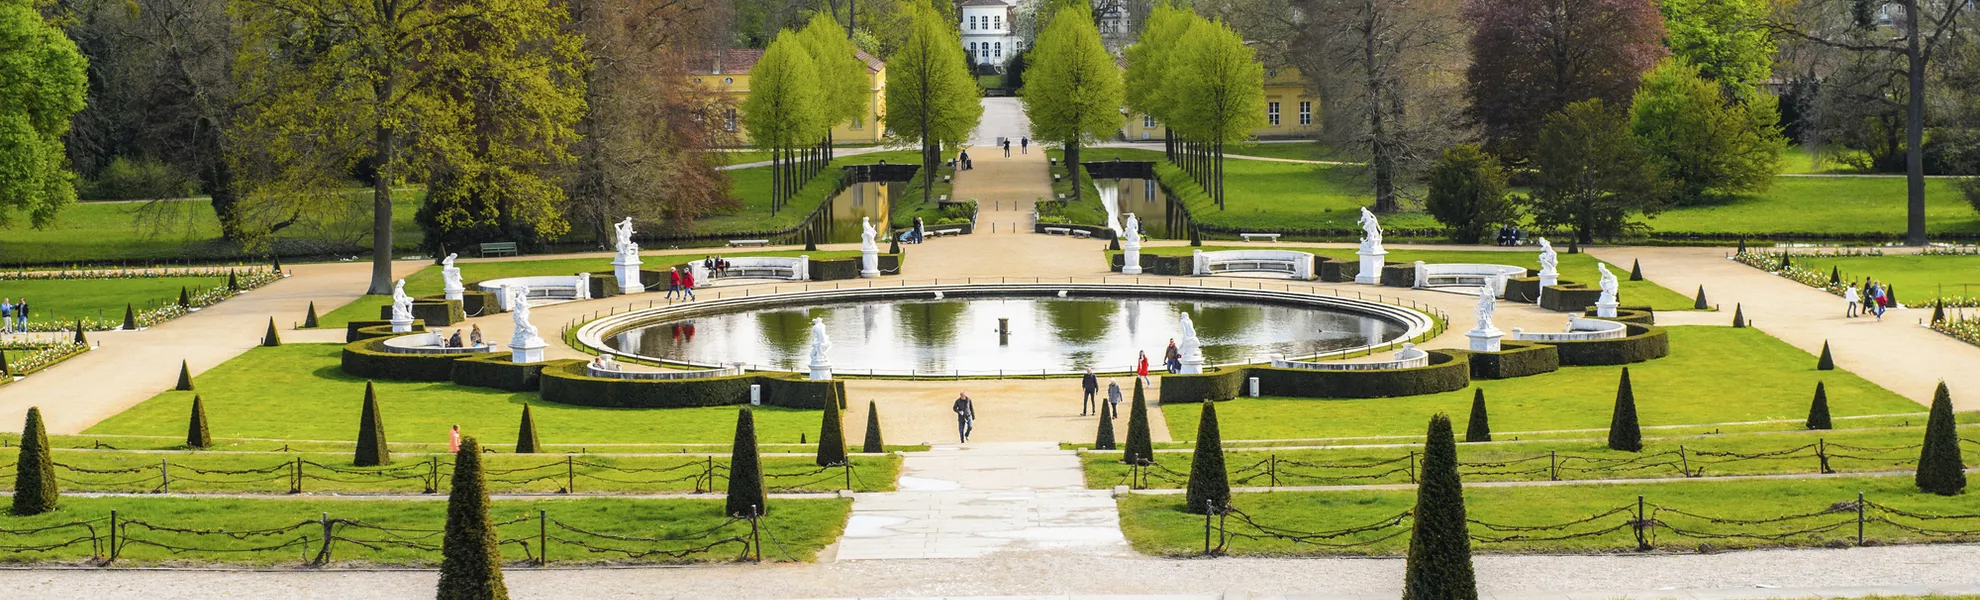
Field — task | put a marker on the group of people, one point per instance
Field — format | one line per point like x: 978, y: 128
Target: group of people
x: 13, y: 316
x: 1091, y: 385
x: 1509, y: 235
x: 604, y: 362
x: 1868, y: 299
x: 680, y: 282
x: 1024, y: 145
x: 714, y: 263
x: 473, y: 339
x: 917, y: 233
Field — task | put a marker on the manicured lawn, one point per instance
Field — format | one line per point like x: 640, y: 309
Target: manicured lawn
x: 297, y: 391
x: 1155, y: 524
x: 71, y: 299
x: 1280, y: 195
x: 1304, y: 150
x: 100, y: 441
x: 1917, y: 277
x: 1579, y: 268
x: 752, y: 188
x: 1797, y: 160
x: 100, y: 232
x: 1827, y: 205
x: 1713, y: 375
x: 800, y: 528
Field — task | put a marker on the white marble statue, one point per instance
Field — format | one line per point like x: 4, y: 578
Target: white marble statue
x: 1608, y: 285
x: 1132, y: 230
x: 1547, y: 257
x: 519, y: 311
x: 1486, y: 304
x: 625, y: 232
x: 401, y: 303
x: 866, y: 233
x: 450, y: 273
x: 1371, y: 230
x: 1190, y: 345
x: 821, y: 344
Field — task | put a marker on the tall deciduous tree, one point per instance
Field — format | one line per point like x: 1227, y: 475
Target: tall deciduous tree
x: 931, y: 97
x: 785, y: 110
x: 1594, y: 178
x: 1468, y: 193
x: 45, y: 81
x: 1707, y: 146
x: 1724, y: 39
x: 1072, y: 90
x: 475, y: 89
x: 1532, y: 58
x: 1146, y: 87
x: 1218, y: 95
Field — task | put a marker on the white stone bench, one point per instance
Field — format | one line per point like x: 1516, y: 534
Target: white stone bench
x: 1297, y: 265
x: 748, y: 243
x: 553, y: 287
x: 1268, y: 236
x: 617, y: 373
x: 1081, y: 233
x: 943, y: 232
x: 1466, y: 275
x: 1408, y: 357
x: 429, y: 343
x: 756, y: 267
x: 1058, y: 230
x: 1579, y: 329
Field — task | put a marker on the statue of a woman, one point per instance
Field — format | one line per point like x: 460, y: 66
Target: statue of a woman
x: 866, y: 233
x: 1190, y: 347
x: 1371, y: 230
x: 1486, y: 304
x: 1608, y: 284
x: 1547, y: 257
x: 1132, y: 232
x: 401, y: 303
x: 519, y: 311
x: 820, y: 343
x: 450, y: 273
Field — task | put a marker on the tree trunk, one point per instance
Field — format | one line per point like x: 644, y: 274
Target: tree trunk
x: 385, y: 151
x: 1072, y: 166
x: 1914, y: 131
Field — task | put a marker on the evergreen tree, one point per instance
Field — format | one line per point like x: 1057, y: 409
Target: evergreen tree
x: 747, y: 496
x: 1940, y: 469
x: 1624, y: 432
x: 1938, y: 311
x: 233, y: 281
x: 1209, y: 485
x: 470, y: 556
x: 271, y: 338
x: 893, y: 242
x: 185, y: 299
x: 1818, y: 411
x: 35, y: 488
x: 130, y: 317
x: 1104, y: 440
x: 1468, y: 193
x: 1827, y: 362
x: 1835, y: 275
x: 1636, y: 270
x: 1480, y: 428
x: 873, y: 444
x: 197, y: 435
x: 80, y: 337
x: 371, y: 448
x: 309, y: 320
x: 1439, y: 562
x: 526, y: 436
x: 1739, y: 316
x: 1699, y: 303
x: 832, y: 432
x: 185, y: 378
x: 1593, y: 176
x: 4, y: 369
x: 1140, y: 447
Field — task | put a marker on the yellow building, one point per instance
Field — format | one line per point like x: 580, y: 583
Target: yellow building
x: 727, y: 72
x: 1290, y: 110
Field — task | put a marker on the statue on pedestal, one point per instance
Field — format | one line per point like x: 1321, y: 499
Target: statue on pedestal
x: 1547, y: 257
x: 866, y: 234
x: 1608, y: 285
x: 1371, y: 231
x: 450, y: 274
x: 1132, y: 232
x: 519, y: 311
x: 821, y: 344
x: 401, y: 303
x: 625, y: 244
x: 1189, y: 346
x: 1486, y: 304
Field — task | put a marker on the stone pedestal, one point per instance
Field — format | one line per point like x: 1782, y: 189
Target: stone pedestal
x: 1192, y: 365
x: 869, y: 262
x: 626, y: 267
x: 1549, y: 278
x: 821, y: 372
x: 1606, y: 310
x: 1485, y: 340
x: 1131, y: 256
x: 1371, y: 266
x: 529, y: 351
x: 399, y: 326
x: 454, y: 291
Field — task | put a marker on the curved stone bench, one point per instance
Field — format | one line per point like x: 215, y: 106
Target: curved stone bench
x: 1296, y: 265
x: 555, y: 287
x: 1578, y: 330
x: 1466, y: 275
x: 428, y: 343
x: 594, y: 371
x: 756, y: 267
x: 1409, y: 356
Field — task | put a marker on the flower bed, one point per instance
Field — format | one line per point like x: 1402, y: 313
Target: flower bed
x: 247, y: 277
x: 1966, y: 330
x: 1771, y: 263
x: 44, y: 357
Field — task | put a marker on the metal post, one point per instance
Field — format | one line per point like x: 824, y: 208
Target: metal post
x: 1859, y: 518
x: 849, y: 474
x: 295, y: 473
x: 570, y: 480
x: 323, y: 556
x: 1209, y: 507
x: 1822, y: 454
x: 1641, y: 542
x: 1553, y: 465
x: 755, y: 538
x: 1684, y: 464
x: 1412, y: 466
x: 542, y: 539
x: 113, y: 535
x: 432, y: 474
x: 164, y: 476
x: 1272, y: 468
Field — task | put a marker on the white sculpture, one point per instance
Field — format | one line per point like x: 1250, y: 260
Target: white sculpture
x: 451, y: 275
x: 1371, y: 230
x: 1190, y: 347
x: 1486, y: 305
x: 866, y: 233
x: 1371, y: 251
x: 821, y: 347
x: 625, y: 267
x: 1131, y: 246
x: 1547, y: 258
x: 1605, y: 305
x: 1132, y: 229
x: 625, y: 232
x: 1485, y: 337
x: 525, y: 346
x: 401, y: 308
x: 869, y: 252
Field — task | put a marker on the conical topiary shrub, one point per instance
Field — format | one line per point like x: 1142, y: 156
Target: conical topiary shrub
x: 1624, y: 432
x: 746, y: 491
x: 832, y: 432
x: 1835, y: 276
x: 1890, y: 294
x: 1940, y: 470
x: 1699, y: 303
x: 197, y: 436
x: 1439, y: 562
x: 1636, y: 270
x: 1104, y: 440
x: 893, y: 244
x: 80, y: 337
x: 371, y: 449
x: 1195, y: 237
x: 1209, y: 485
x: 1574, y: 246
x: 1827, y: 362
x: 1818, y: 410
x: 5, y: 371
x: 1140, y: 447
x: 130, y: 317
x: 1938, y: 311
x: 185, y: 378
x: 1114, y: 244
x: 271, y: 338
x: 872, y: 444
x: 309, y: 320
x: 1742, y: 246
x: 1785, y: 263
x: 1480, y: 427
x: 278, y: 265
x: 185, y: 300
x: 470, y: 557
x: 1739, y: 316
x: 233, y: 282
x: 810, y: 242
x: 35, y: 489
x: 526, y: 436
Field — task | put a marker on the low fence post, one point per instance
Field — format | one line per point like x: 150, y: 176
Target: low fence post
x: 295, y: 477
x: 1411, y: 466
x: 542, y: 538
x: 113, y: 536
x: 432, y: 474
x: 1859, y: 518
x: 1822, y: 455
x: 323, y: 556
x: 1553, y: 465
x: 755, y: 533
x: 1272, y: 469
x: 570, y: 477
x: 1209, y: 511
x: 164, y: 476
x: 1684, y: 463
x: 849, y: 475
x: 1642, y: 543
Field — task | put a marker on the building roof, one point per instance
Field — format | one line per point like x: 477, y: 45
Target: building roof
x: 986, y: 3
x: 741, y: 60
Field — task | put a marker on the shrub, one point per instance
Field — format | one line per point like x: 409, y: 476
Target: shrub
x: 1699, y: 304
x: 1940, y: 470
x: 4, y: 370
x: 1643, y: 343
x: 1827, y: 362
x: 470, y: 558
x: 893, y: 243
x: 141, y: 178
x: 197, y: 435
x: 1818, y: 411
x: 130, y: 318
x: 81, y: 339
x: 185, y: 378
x: 567, y: 383
x: 1209, y: 485
x: 746, y: 492
x: 1624, y: 432
x: 1480, y: 427
x: 368, y: 359
x: 1636, y: 270
x: 1835, y: 275
x: 1449, y: 371
x: 873, y: 444
x: 1939, y: 311
x: 1739, y: 316
x: 1468, y: 193
x: 233, y: 281
x: 1709, y: 146
x: 526, y: 435
x: 371, y: 450
x: 185, y: 300
x: 309, y: 320
x: 1439, y: 561
x: 35, y: 488
x: 271, y: 337
x: 832, y: 434
x: 1514, y: 359
x: 1104, y: 440
x: 1140, y: 447
x: 494, y: 370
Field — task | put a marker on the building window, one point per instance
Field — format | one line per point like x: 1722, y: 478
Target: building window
x: 1272, y: 113
x: 1147, y: 121
x: 729, y: 117
x: 984, y: 52
x: 972, y: 22
x: 997, y: 21
x: 1305, y: 112
x: 999, y: 48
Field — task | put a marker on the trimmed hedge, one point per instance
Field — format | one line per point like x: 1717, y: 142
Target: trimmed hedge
x: 1644, y: 342
x: 433, y: 313
x: 364, y: 330
x: 848, y: 268
x: 1336, y: 271
x: 1523, y: 290
x: 368, y: 359
x: 1569, y: 297
x: 1216, y: 383
x: 1640, y: 315
x: 567, y: 383
x: 1156, y: 265
x: 1399, y: 274
x: 1449, y: 370
x: 473, y: 302
x: 493, y: 370
x: 1515, y: 359
x: 606, y: 285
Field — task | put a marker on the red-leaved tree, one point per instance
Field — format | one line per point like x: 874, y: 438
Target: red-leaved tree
x: 1531, y: 58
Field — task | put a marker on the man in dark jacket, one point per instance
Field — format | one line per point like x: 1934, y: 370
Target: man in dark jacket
x: 1091, y: 385
x: 965, y: 415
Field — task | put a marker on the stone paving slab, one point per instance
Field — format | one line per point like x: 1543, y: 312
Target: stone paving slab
x: 984, y: 499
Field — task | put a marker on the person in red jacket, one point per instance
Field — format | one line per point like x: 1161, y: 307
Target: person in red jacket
x: 1141, y: 369
x: 673, y: 281
x: 687, y: 284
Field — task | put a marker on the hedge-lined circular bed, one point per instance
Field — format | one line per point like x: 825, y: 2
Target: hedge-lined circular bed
x: 567, y: 383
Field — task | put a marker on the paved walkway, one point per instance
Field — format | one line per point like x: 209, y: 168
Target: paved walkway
x: 981, y: 500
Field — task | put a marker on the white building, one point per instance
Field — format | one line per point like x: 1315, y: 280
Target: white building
x: 988, y: 31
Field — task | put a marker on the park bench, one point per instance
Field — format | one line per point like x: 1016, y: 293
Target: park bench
x: 1298, y: 265
x: 1058, y: 230
x: 1467, y: 275
x: 1081, y: 233
x: 747, y: 243
x: 1268, y: 236
x: 793, y: 268
x: 498, y: 249
x: 943, y: 232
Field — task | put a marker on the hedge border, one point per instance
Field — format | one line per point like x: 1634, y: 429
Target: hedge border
x: 369, y: 359
x: 1515, y: 359
x: 495, y: 370
x: 1640, y: 315
x: 357, y: 331
x: 1644, y: 342
x: 567, y: 383
x: 434, y: 311
x: 1449, y: 370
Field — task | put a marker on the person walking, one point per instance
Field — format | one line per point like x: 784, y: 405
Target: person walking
x: 21, y: 314
x: 687, y: 284
x: 964, y: 159
x: 1091, y: 386
x: 1141, y: 369
x: 454, y: 440
x: 1849, y: 300
x: 6, y: 315
x: 1114, y: 398
x: 1172, y: 358
x: 1024, y: 145
x: 965, y: 416
x: 673, y: 282
x: 1007, y: 147
x: 920, y: 230
x: 1877, y: 300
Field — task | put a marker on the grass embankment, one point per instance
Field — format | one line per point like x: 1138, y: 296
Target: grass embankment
x: 1918, y: 278
x: 298, y: 391
x: 1156, y: 524
x: 110, y: 232
x: 916, y: 202
x: 54, y: 300
x: 1302, y: 150
x: 272, y: 473
x: 800, y: 529
x: 1713, y: 375
x: 751, y: 188
x: 427, y: 281
x: 1847, y: 450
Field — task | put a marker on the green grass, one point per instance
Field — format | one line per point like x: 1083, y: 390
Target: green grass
x: 1278, y: 195
x: 1669, y: 431
x: 428, y: 281
x: 911, y: 203
x: 1831, y: 205
x: 1713, y: 375
x: 1578, y: 268
x: 298, y: 392
x: 55, y: 300
x: 177, y: 442
x: 1155, y: 524
x: 800, y: 528
x: 752, y: 188
x: 1798, y: 161
x: 105, y: 232
x: 1917, y: 277
x: 1305, y: 150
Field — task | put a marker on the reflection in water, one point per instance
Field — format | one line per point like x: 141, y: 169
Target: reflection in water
x: 865, y: 199
x: 1144, y: 198
x: 1048, y: 334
